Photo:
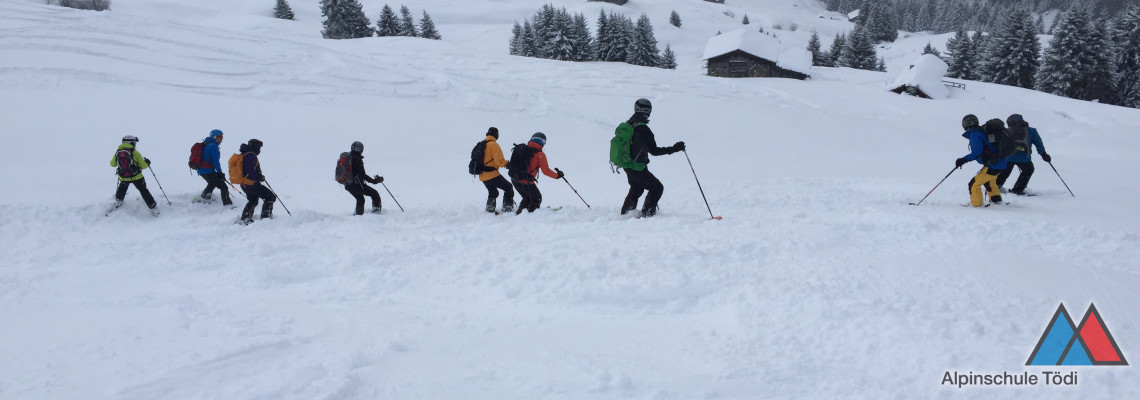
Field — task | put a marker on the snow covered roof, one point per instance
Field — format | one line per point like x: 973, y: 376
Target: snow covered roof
x: 854, y: 14
x: 759, y: 45
x: 925, y: 74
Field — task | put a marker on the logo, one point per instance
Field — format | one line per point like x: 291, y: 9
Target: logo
x: 1064, y: 343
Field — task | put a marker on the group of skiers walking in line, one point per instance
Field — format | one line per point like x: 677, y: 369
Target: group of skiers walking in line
x: 998, y: 149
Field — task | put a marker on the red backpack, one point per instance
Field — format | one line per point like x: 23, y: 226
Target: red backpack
x: 344, y: 169
x: 196, y: 161
x: 125, y: 158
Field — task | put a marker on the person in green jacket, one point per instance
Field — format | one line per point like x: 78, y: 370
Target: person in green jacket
x: 129, y: 163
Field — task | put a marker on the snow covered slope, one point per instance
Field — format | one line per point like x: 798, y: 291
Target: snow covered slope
x: 820, y: 282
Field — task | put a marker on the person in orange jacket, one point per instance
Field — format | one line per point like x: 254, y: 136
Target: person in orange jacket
x: 525, y: 183
x: 491, y: 178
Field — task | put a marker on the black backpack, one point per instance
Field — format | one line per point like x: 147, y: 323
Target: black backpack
x: 1019, y: 134
x: 520, y: 160
x: 476, y: 166
x: 1000, y: 145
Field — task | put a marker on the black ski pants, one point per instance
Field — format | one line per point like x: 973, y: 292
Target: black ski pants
x: 358, y: 191
x: 121, y: 191
x: 494, y: 185
x: 1022, y: 179
x: 253, y: 193
x: 639, y: 182
x: 216, y: 180
x: 531, y: 197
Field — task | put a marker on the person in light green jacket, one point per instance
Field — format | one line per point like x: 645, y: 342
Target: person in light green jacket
x: 129, y: 163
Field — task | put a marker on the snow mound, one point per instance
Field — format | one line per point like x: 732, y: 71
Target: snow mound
x: 925, y: 74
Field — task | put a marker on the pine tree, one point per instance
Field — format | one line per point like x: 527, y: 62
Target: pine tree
x: 859, y: 53
x: 427, y: 28
x: 387, y: 25
x: 668, y: 59
x: 1102, y: 77
x: 344, y: 19
x: 583, y: 42
x: 816, y: 51
x: 1066, y: 59
x: 675, y: 19
x: 745, y: 20
x: 1127, y: 39
x: 407, y: 24
x: 529, y: 41
x: 644, y: 51
x: 1012, y: 54
x: 929, y: 49
x: 559, y: 44
x: 963, y: 61
x: 516, y: 43
x: 881, y: 66
x: 836, y: 51
x: 282, y: 10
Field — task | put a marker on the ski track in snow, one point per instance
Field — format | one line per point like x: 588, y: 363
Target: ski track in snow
x: 820, y: 282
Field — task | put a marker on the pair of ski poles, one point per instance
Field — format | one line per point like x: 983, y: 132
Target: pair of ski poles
x: 711, y: 216
x: 955, y: 168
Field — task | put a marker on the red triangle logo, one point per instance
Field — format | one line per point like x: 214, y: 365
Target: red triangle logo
x: 1101, y: 346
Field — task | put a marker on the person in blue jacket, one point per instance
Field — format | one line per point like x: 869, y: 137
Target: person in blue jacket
x: 1023, y: 157
x: 211, y: 169
x: 987, y: 176
x: 251, y: 180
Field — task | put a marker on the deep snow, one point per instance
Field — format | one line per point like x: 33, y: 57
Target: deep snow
x: 820, y: 282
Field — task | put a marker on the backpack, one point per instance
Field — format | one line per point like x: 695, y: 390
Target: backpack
x: 520, y: 162
x: 196, y: 161
x: 619, y: 148
x: 344, y: 169
x: 237, y: 172
x: 1019, y: 134
x: 1000, y: 144
x: 125, y: 159
x: 476, y: 166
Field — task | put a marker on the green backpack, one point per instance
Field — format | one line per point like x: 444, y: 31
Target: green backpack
x: 619, y: 148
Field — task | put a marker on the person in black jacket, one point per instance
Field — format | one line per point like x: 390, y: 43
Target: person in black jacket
x: 642, y: 144
x: 251, y: 180
x: 357, y: 186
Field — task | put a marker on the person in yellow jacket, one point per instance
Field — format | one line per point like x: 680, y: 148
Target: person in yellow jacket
x: 491, y: 178
x: 129, y: 163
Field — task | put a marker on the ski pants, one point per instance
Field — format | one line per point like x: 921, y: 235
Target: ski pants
x: 988, y: 179
x: 1022, y: 179
x: 358, y: 191
x: 253, y: 193
x: 216, y: 180
x: 121, y: 191
x: 494, y: 185
x: 531, y: 197
x: 639, y: 182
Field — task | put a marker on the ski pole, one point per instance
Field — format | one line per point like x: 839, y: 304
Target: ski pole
x: 935, y: 187
x: 572, y: 188
x: 1062, y: 179
x: 236, y: 189
x: 159, y: 186
x: 699, y: 186
x: 278, y: 198
x: 393, y: 197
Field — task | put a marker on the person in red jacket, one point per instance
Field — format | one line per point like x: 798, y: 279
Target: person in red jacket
x: 525, y: 185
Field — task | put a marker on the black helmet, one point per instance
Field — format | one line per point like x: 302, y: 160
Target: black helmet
x: 970, y: 120
x: 539, y: 137
x: 255, y: 144
x: 1015, y: 119
x: 642, y: 106
x: 130, y: 139
x: 493, y: 132
x: 357, y: 147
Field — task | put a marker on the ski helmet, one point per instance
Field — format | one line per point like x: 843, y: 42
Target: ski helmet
x: 642, y: 106
x: 357, y: 147
x: 1015, y: 119
x: 255, y: 144
x: 539, y: 137
x: 215, y: 133
x: 130, y: 139
x: 970, y: 120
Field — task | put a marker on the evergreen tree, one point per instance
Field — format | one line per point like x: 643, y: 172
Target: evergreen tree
x: 1012, y: 54
x: 583, y: 42
x: 427, y: 28
x: 929, y: 49
x: 950, y: 16
x: 1066, y: 59
x: 745, y: 20
x: 836, y: 51
x: 387, y: 24
x: 407, y: 24
x: 668, y: 59
x: 516, y: 43
x: 644, y: 51
x: 1127, y: 64
x: 282, y: 10
x: 1102, y: 77
x: 559, y: 44
x: 529, y: 41
x: 859, y: 53
x: 344, y: 19
x: 963, y: 60
x: 816, y: 50
x: 675, y: 19
x: 881, y: 66
x: 879, y: 22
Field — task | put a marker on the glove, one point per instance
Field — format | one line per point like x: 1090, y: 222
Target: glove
x: 679, y: 146
x: 148, y: 160
x: 960, y: 162
x: 560, y: 174
x: 1046, y: 157
x: 379, y: 179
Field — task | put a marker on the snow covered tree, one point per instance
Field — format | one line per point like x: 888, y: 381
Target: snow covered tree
x: 929, y: 49
x: 745, y: 20
x: 1067, y: 58
x: 1012, y: 54
x: 675, y: 19
x: 344, y: 19
x: 529, y: 41
x: 583, y: 41
x: 950, y: 16
x: 836, y: 51
x: 859, y: 53
x: 1102, y: 77
x: 282, y: 10
x: 963, y: 60
x: 614, y: 35
x: 427, y: 28
x: 387, y: 24
x: 558, y: 43
x: 407, y: 24
x: 879, y: 22
x: 881, y: 66
x: 1127, y: 63
x: 516, y: 43
x: 816, y: 50
x: 668, y: 59
x: 644, y: 51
